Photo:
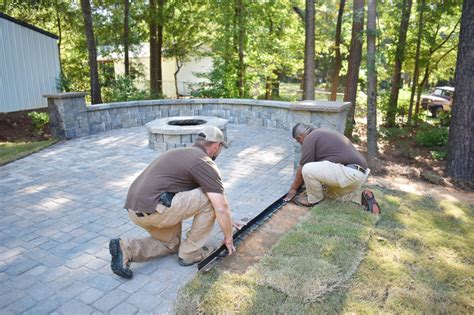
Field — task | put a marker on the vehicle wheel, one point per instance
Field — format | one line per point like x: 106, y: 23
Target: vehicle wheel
x: 436, y: 111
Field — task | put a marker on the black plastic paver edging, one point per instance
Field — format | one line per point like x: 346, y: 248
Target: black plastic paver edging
x: 247, y: 228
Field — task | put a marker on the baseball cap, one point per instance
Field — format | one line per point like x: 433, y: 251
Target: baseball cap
x: 212, y: 134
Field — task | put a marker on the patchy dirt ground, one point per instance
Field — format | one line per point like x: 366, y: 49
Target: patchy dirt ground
x: 17, y: 127
x: 259, y: 242
x: 401, y: 157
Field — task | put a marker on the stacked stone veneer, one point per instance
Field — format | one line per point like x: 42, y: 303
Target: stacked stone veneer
x: 163, y: 136
x: 70, y: 117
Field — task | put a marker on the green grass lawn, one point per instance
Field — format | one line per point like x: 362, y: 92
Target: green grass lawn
x: 417, y: 257
x: 11, y: 151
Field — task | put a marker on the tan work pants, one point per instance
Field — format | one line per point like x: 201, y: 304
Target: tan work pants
x: 164, y: 227
x: 333, y: 180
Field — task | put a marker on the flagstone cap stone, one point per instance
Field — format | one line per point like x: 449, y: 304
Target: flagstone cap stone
x: 162, y: 125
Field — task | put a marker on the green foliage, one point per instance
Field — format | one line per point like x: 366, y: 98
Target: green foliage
x: 39, y: 120
x: 432, y: 137
x: 396, y: 132
x: 122, y: 89
x: 209, y: 90
x: 439, y: 155
x: 445, y: 119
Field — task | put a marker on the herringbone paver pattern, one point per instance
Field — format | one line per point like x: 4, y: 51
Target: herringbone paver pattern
x: 59, y: 208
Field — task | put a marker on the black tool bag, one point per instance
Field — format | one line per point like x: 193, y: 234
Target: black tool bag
x: 166, y: 198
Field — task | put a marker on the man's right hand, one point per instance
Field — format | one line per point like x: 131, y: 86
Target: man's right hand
x: 230, y: 246
x: 290, y: 195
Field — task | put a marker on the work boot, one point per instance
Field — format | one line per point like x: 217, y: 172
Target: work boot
x: 205, y: 251
x: 302, y: 200
x: 120, y: 266
x: 368, y: 200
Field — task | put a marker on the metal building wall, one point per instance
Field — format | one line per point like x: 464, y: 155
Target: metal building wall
x: 29, y: 67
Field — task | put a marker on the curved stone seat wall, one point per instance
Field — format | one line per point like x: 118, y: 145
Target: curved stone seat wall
x: 70, y: 117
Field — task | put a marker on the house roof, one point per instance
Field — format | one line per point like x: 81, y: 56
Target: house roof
x: 24, y: 24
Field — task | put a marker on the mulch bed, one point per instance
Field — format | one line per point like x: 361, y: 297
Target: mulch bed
x: 17, y: 127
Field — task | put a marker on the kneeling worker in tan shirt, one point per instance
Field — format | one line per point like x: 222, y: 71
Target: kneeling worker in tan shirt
x: 180, y: 184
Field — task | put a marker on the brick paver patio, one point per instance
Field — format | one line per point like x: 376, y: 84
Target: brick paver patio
x: 60, y: 207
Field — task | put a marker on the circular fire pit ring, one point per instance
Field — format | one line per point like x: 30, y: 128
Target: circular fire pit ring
x: 187, y: 122
x: 179, y: 132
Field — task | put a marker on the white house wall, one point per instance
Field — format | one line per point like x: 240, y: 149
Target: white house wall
x: 29, y: 67
x: 188, y: 72
x: 186, y: 76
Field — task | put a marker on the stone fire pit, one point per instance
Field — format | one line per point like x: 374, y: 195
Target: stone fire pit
x: 178, y: 132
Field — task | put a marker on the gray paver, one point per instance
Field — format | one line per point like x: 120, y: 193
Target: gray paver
x: 91, y: 295
x: 110, y: 300
x: 63, y: 204
x: 75, y: 307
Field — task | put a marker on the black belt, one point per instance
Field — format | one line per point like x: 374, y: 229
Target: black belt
x: 140, y: 214
x: 164, y: 199
x: 356, y: 167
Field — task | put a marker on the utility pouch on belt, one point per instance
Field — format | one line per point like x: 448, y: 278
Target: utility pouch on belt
x: 166, y: 198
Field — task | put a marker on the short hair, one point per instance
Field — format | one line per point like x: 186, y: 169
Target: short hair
x: 302, y: 129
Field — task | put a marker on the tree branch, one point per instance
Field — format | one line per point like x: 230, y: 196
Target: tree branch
x: 299, y: 12
x: 447, y: 38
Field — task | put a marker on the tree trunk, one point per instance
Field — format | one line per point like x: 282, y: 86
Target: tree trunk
x: 309, y: 54
x: 276, y: 84
x: 159, y: 46
x: 460, y: 161
x: 92, y: 50
x: 179, y: 65
x: 355, y: 55
x: 399, y: 58
x: 153, y: 49
x: 338, y: 59
x: 58, y: 22
x: 268, y: 87
x: 156, y: 41
x: 420, y: 89
x: 126, y: 9
x: 371, y: 81
x: 239, y: 15
x: 417, y: 61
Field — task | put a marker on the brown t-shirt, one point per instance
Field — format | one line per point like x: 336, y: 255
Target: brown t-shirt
x: 328, y: 145
x: 175, y: 171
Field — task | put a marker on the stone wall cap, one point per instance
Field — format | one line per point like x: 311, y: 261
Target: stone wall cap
x: 321, y: 106
x: 190, y: 101
x: 65, y: 95
x: 161, y: 126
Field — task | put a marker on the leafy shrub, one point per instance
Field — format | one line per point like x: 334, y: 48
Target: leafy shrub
x: 432, y: 137
x: 388, y: 133
x: 445, y: 119
x: 122, y: 89
x: 439, y: 155
x: 407, y: 151
x: 209, y: 90
x: 39, y: 120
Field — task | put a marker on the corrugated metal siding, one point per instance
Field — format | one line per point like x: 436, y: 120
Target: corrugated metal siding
x: 29, y: 67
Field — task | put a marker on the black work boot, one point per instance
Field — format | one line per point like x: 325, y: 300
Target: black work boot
x: 118, y: 265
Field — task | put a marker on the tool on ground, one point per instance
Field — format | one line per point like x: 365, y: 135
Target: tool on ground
x: 207, y: 263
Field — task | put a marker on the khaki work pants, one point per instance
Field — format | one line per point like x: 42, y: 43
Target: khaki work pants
x: 333, y: 180
x: 164, y: 227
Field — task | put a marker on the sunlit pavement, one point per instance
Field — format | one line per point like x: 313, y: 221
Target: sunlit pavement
x: 61, y: 206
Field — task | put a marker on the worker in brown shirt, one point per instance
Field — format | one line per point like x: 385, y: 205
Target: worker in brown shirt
x: 180, y: 184
x: 330, y: 166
